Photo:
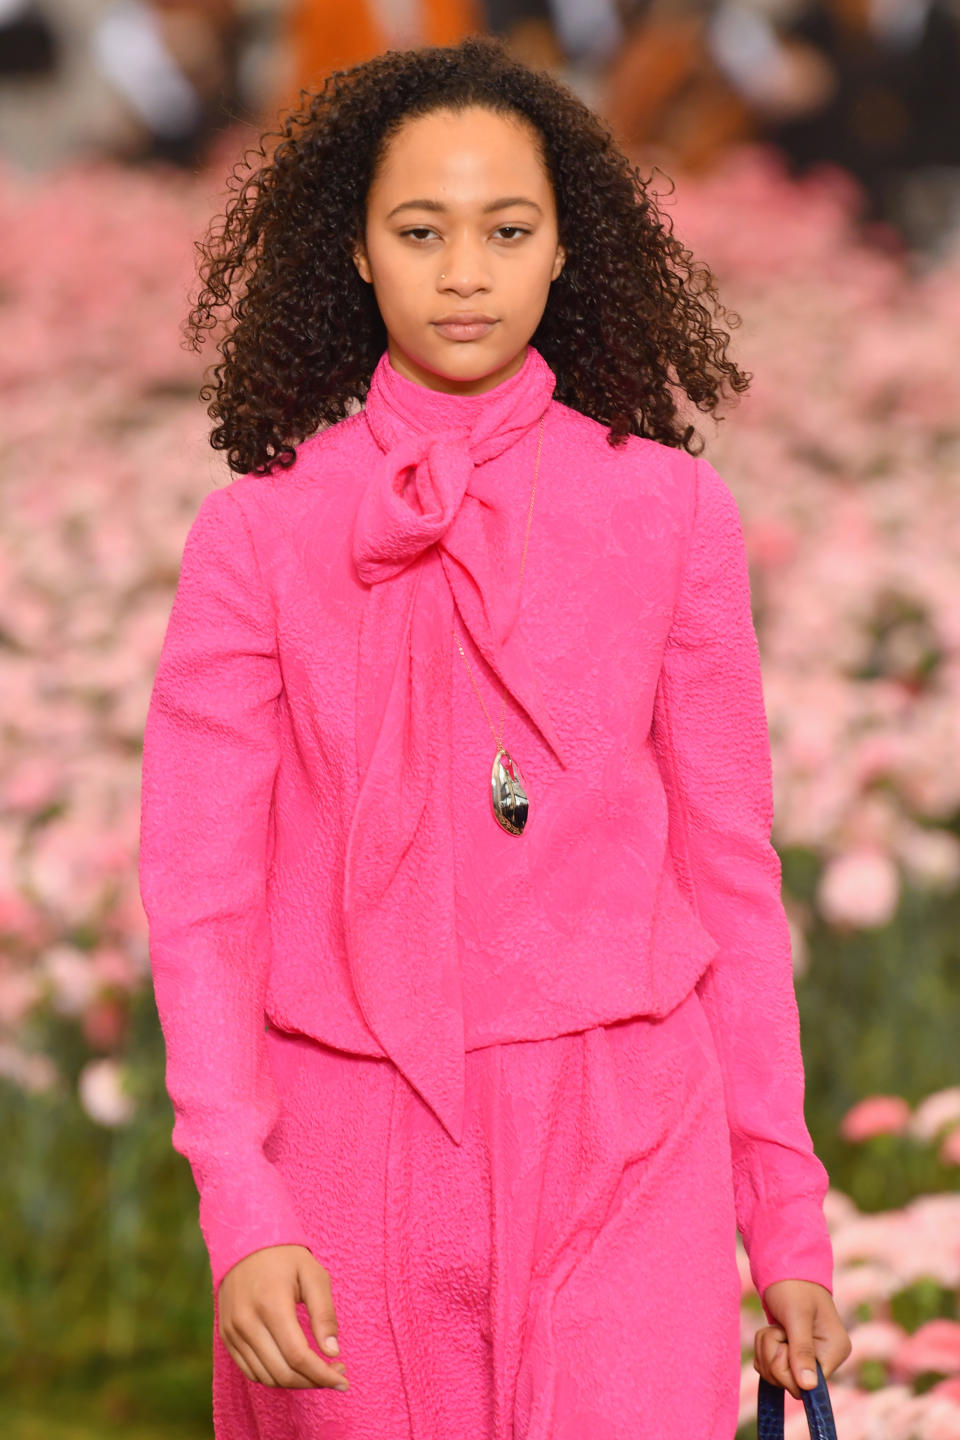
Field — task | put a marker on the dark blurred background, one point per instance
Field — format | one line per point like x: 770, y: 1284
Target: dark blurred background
x: 810, y: 153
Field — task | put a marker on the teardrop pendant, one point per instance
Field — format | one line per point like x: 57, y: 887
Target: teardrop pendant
x: 510, y: 804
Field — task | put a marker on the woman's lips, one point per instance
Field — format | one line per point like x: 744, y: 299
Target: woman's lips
x: 453, y: 330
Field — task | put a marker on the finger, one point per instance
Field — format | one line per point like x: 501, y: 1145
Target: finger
x: 802, y: 1355
x: 241, y: 1354
x: 764, y: 1346
x: 315, y: 1294
x: 240, y: 1363
x: 251, y: 1338
x: 271, y: 1360
x: 774, y: 1360
x: 288, y: 1355
x: 248, y: 1361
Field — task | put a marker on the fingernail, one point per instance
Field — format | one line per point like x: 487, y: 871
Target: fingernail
x: 331, y: 1345
x: 809, y: 1377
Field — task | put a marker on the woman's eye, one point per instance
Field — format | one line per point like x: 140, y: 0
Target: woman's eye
x: 420, y: 230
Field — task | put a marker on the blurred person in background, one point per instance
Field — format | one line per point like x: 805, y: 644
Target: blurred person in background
x: 665, y: 94
x: 695, y: 77
x: 173, y: 64
x: 870, y: 85
x: 891, y: 115
x: 528, y: 27
x: 558, y: 33
x: 317, y: 36
x: 576, y: 39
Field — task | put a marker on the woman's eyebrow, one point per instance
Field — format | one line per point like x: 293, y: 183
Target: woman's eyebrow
x: 440, y: 207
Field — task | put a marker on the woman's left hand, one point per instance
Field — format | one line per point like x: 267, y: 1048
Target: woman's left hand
x: 808, y: 1329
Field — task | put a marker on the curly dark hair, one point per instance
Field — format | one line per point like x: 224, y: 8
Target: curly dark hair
x: 625, y: 325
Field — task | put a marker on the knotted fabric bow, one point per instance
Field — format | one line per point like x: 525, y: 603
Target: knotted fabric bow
x: 435, y: 536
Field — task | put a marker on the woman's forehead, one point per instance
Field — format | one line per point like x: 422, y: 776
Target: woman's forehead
x: 471, y: 159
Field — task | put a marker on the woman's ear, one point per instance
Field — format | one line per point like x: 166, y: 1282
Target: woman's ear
x: 361, y: 262
x: 559, y: 262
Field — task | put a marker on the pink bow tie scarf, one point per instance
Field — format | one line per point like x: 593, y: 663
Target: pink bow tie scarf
x: 434, y: 532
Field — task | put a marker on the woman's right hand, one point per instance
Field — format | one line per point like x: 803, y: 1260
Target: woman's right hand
x: 259, y: 1323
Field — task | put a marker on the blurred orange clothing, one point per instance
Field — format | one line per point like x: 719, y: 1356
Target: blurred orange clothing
x: 324, y: 35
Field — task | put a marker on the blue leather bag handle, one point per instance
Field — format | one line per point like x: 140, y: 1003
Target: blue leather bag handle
x: 816, y: 1402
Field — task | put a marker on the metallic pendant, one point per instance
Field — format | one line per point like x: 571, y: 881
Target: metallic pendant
x: 510, y: 804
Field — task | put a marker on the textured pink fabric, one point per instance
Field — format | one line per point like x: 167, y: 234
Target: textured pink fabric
x: 634, y: 708
x: 567, y: 1272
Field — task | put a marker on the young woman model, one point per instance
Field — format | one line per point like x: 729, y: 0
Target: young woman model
x: 465, y: 922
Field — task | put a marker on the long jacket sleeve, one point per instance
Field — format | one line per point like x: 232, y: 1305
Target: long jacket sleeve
x: 210, y: 755
x: 711, y: 734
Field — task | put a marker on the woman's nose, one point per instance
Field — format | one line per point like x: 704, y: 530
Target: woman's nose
x: 465, y: 266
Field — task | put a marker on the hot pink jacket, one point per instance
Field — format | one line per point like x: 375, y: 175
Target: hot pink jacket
x: 318, y: 847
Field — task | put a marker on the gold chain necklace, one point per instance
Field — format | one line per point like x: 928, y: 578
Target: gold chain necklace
x: 508, y: 795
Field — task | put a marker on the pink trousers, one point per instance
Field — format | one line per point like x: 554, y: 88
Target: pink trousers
x: 567, y: 1273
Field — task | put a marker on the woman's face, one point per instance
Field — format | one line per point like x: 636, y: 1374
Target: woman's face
x: 461, y: 221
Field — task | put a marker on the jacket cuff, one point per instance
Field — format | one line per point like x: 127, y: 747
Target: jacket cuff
x: 790, y: 1241
x: 240, y: 1215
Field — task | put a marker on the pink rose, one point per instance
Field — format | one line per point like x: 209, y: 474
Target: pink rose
x: 875, y: 1340
x: 860, y: 888
x: 934, y: 1346
x: 935, y: 1112
x: 876, y: 1115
